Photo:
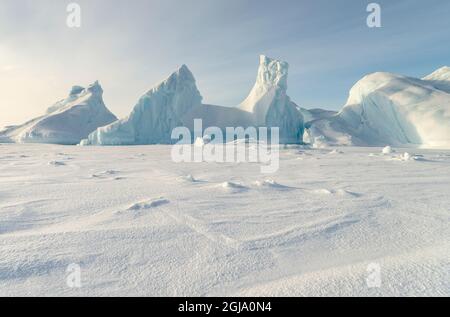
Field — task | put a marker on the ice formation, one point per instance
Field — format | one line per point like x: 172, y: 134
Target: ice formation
x: 66, y: 122
x: 270, y: 104
x: 176, y: 102
x: 440, y: 79
x: 155, y: 115
x: 385, y: 108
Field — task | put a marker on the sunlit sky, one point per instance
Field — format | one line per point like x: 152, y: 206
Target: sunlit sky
x: 131, y: 45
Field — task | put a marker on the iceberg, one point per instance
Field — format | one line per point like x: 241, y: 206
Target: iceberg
x: 155, y: 115
x: 66, y: 122
x: 389, y: 109
x: 176, y: 102
x: 269, y: 103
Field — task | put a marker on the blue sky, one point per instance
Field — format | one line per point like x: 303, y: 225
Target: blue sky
x: 131, y: 45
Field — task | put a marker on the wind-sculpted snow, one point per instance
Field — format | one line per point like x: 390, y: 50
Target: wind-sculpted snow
x: 182, y: 229
x: 66, y: 122
x: 389, y: 109
x: 156, y: 114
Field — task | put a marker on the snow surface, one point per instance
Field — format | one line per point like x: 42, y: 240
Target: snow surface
x: 139, y: 224
x: 385, y: 108
x: 387, y: 150
x: 66, y: 122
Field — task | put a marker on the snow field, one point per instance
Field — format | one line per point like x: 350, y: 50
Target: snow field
x: 139, y: 224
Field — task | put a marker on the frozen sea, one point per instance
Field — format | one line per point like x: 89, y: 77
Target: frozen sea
x: 335, y: 221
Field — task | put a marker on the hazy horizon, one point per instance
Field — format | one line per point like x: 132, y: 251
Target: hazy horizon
x: 129, y: 47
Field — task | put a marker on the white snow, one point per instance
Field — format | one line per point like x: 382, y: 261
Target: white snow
x: 406, y: 156
x: 270, y: 183
x: 312, y: 228
x: 387, y: 150
x: 153, y: 203
x: 233, y: 186
x: 66, y: 122
x: 440, y: 79
x: 385, y: 108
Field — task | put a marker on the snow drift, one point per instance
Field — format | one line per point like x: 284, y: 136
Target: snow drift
x: 68, y: 121
x: 388, y: 109
x: 176, y: 102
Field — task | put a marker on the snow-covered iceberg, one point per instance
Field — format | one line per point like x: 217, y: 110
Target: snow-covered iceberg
x: 68, y: 121
x: 269, y: 103
x: 176, y: 102
x: 388, y: 109
x: 155, y: 115
x: 440, y: 79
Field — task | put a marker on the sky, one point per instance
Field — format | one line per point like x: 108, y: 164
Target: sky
x: 129, y: 46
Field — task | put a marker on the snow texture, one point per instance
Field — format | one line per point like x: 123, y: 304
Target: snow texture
x: 183, y: 229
